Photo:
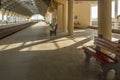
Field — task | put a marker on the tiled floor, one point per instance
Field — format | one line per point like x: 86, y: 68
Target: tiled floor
x: 33, y: 55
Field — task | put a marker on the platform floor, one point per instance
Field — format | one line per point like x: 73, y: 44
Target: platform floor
x: 32, y: 54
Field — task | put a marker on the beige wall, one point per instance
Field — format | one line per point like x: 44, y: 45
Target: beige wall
x: 82, y: 11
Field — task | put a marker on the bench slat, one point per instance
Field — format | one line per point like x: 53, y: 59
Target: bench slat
x: 109, y: 48
x: 108, y: 45
x: 107, y: 42
x: 100, y: 56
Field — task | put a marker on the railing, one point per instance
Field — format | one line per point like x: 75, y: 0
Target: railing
x: 115, y: 25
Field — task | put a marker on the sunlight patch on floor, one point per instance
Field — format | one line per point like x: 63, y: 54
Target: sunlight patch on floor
x: 37, y: 41
x: 33, y: 42
x: 81, y: 38
x: 45, y: 46
x: 10, y: 46
x: 52, y: 44
x: 64, y: 42
x: 40, y: 24
x: 89, y: 43
x: 79, y: 30
x: 28, y: 43
x: 2, y: 47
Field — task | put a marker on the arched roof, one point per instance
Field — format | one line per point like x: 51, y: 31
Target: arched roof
x: 25, y: 7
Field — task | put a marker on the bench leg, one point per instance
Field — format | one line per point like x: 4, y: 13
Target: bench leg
x: 117, y: 69
x: 88, y: 56
x: 118, y: 58
x: 107, y: 67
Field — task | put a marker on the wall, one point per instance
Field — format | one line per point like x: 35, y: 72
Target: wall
x: 82, y: 11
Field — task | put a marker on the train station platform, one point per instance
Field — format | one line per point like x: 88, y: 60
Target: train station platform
x: 32, y: 54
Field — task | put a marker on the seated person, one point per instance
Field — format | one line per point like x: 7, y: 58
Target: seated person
x: 53, y: 30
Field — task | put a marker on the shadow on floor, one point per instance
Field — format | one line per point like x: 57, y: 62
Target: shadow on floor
x: 60, y: 64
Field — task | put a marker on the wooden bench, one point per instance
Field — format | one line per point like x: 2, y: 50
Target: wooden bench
x: 107, y: 63
x: 53, y: 31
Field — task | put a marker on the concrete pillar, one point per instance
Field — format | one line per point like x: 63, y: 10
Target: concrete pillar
x: 0, y: 15
x: 116, y: 14
x: 70, y: 17
x: 65, y: 7
x: 3, y: 13
x: 116, y: 8
x: 16, y: 17
x: 6, y: 14
x: 27, y: 18
x: 54, y: 17
x: 23, y: 18
x: 48, y: 17
x: 9, y: 16
x: 105, y: 22
x: 60, y: 17
x: 104, y: 19
x: 20, y: 18
x: 13, y: 17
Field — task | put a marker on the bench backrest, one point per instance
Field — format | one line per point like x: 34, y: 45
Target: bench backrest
x: 108, y: 45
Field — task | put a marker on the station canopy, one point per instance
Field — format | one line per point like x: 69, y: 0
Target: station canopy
x: 26, y: 7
